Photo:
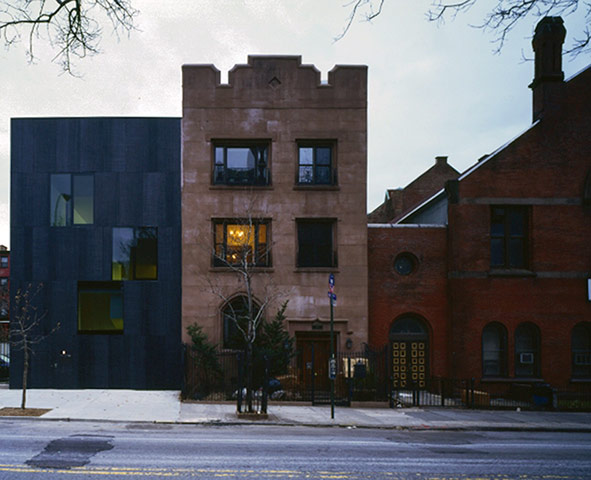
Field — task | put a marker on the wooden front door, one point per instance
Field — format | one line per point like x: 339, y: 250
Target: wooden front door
x: 313, y: 354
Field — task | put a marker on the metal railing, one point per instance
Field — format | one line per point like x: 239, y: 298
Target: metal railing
x: 366, y: 377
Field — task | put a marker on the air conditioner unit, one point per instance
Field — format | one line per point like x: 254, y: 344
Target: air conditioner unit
x: 526, y: 358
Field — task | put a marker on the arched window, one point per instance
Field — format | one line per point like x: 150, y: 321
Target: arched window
x: 527, y: 350
x: 408, y: 326
x: 235, y: 318
x: 494, y: 350
x: 409, y: 339
x: 581, y: 350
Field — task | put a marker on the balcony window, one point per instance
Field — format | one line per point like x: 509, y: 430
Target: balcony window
x: 241, y: 165
x: 241, y: 242
x: 315, y: 165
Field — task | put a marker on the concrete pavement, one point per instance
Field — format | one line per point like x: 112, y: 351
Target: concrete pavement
x: 166, y: 407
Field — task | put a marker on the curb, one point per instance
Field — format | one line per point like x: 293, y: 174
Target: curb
x: 278, y: 423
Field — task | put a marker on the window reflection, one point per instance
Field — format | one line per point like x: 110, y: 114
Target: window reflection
x: 71, y: 200
x: 135, y: 253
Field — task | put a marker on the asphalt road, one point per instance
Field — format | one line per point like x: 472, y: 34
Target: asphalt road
x: 67, y: 450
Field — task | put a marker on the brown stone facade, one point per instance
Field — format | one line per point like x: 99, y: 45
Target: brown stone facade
x: 282, y: 108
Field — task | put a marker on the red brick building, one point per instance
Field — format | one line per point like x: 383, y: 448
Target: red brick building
x: 490, y: 277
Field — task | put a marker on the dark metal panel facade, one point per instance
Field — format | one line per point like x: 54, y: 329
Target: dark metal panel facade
x: 135, y: 164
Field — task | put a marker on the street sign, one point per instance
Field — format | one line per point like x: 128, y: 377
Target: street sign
x: 332, y: 368
x: 333, y: 298
x: 331, y: 280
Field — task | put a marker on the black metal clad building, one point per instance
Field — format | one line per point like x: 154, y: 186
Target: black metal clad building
x: 95, y: 219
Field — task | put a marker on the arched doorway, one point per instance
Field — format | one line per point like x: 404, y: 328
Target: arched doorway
x: 409, y: 339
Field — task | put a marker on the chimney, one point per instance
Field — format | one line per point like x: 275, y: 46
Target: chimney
x: 441, y: 160
x: 548, y: 75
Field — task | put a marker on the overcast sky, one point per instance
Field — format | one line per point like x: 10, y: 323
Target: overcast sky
x: 432, y: 90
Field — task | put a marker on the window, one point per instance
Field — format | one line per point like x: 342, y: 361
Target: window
x: 527, y: 350
x: 135, y: 253
x: 234, y: 315
x: 316, y: 243
x: 241, y: 242
x: 100, y: 307
x: 494, y: 350
x: 242, y: 164
x: 315, y: 165
x: 581, y: 350
x: 405, y: 263
x: 3, y: 282
x: 4, y: 262
x: 508, y: 237
x: 71, y: 200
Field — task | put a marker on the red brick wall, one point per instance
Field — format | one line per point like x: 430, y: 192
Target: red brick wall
x: 422, y: 293
x: 544, y: 169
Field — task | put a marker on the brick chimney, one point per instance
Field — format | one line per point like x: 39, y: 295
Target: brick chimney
x: 548, y: 76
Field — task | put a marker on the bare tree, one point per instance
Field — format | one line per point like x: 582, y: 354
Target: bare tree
x: 244, y: 252
x: 26, y: 328
x: 72, y: 27
x: 500, y: 19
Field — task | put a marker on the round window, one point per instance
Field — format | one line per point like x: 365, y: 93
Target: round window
x: 405, y: 263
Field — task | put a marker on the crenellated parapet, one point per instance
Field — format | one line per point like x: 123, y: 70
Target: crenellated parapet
x: 274, y: 82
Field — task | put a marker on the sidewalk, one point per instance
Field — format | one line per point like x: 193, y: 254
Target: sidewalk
x: 165, y: 407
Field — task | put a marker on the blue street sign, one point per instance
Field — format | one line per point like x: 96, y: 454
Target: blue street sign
x: 333, y: 298
x: 331, y: 280
x: 332, y: 368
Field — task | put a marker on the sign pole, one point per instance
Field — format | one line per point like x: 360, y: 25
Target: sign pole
x: 332, y: 363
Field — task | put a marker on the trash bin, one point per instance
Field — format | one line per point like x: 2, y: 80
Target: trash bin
x: 542, y: 395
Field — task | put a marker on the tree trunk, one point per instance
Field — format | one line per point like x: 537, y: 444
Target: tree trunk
x: 25, y: 372
x: 249, y: 377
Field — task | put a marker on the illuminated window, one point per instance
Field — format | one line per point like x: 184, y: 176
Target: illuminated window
x: 71, y: 200
x: 241, y: 242
x: 135, y: 253
x: 241, y: 164
x: 100, y: 307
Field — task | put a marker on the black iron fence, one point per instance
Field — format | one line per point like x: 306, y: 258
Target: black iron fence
x: 366, y: 377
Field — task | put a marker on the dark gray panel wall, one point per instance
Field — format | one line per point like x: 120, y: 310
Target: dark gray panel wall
x: 136, y: 168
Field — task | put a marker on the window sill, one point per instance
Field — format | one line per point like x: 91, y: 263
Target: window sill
x: 241, y: 187
x: 331, y: 188
x: 316, y: 270
x: 510, y: 272
x: 232, y: 270
x: 511, y: 380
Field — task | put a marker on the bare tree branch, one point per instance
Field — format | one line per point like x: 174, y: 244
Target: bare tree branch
x: 247, y: 259
x: 72, y: 27
x: 356, y: 6
x: 500, y: 19
x: 26, y: 323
